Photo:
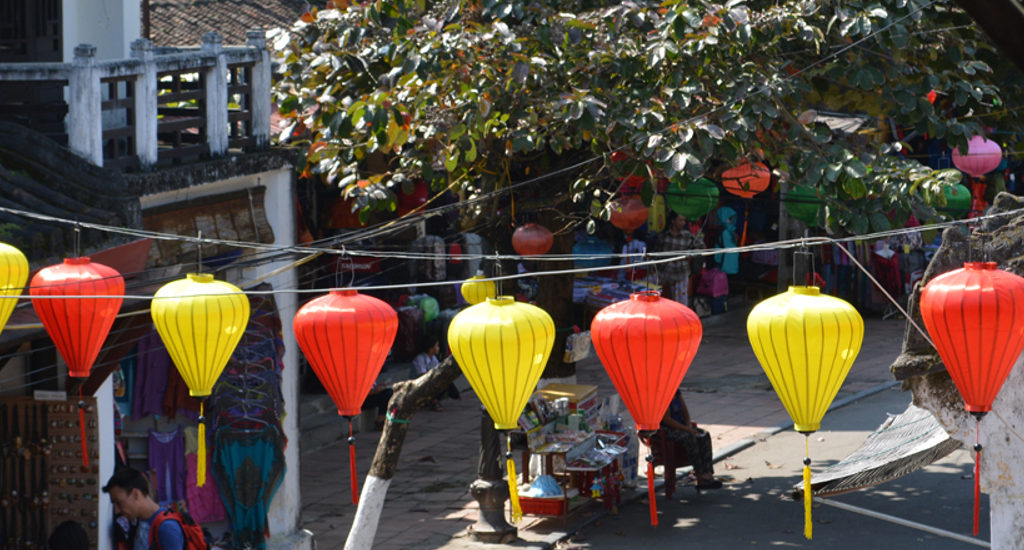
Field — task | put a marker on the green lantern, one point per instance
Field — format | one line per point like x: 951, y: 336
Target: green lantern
x: 692, y: 199
x: 802, y: 203
x: 958, y: 200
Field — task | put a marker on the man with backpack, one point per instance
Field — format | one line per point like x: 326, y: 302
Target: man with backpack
x: 157, y: 528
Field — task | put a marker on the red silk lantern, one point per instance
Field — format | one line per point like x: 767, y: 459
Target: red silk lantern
x: 646, y: 344
x: 746, y: 180
x: 532, y: 240
x: 346, y: 337
x: 407, y: 202
x: 628, y: 213
x: 972, y: 315
x: 78, y: 326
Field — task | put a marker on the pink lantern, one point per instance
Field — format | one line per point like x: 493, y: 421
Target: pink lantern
x: 982, y: 157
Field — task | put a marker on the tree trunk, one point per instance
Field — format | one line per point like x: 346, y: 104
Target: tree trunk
x: 409, y: 397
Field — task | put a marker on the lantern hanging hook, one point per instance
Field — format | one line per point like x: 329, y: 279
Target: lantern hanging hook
x: 497, y: 272
x: 802, y: 250
x: 78, y: 238
x: 199, y: 251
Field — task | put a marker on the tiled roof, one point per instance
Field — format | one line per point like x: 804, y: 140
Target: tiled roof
x: 183, y: 22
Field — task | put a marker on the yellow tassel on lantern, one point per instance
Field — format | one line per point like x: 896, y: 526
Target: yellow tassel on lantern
x: 808, y: 526
x: 201, y: 451
x: 513, y: 483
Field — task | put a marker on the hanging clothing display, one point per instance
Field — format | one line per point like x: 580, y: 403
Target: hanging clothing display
x: 249, y: 466
x: 151, y: 369
x: 204, y: 503
x: 728, y: 261
x: 167, y: 460
x: 124, y: 383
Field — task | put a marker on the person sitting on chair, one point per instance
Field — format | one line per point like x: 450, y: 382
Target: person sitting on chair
x: 425, y: 362
x: 695, y: 441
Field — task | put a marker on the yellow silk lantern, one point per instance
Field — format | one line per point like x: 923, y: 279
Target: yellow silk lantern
x: 477, y: 289
x: 13, y: 275
x: 502, y: 347
x: 806, y: 342
x: 200, y: 321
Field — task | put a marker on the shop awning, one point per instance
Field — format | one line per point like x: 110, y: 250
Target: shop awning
x: 903, y: 444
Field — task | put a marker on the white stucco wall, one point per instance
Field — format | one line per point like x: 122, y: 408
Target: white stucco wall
x: 110, y: 25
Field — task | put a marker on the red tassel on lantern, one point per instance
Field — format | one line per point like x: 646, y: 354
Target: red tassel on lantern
x: 646, y: 344
x: 972, y: 316
x: 346, y: 336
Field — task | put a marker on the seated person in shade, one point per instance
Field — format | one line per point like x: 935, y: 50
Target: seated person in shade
x: 378, y: 398
x: 678, y: 428
x: 426, y: 361
x: 69, y: 535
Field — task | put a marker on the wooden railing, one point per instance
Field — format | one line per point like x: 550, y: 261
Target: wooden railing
x: 154, y: 108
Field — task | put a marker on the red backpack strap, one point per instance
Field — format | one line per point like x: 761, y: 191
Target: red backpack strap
x: 154, y: 528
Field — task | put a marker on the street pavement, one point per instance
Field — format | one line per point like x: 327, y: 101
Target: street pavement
x: 754, y: 509
x: 429, y: 506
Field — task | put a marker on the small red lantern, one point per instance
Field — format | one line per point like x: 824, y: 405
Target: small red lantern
x: 532, y: 240
x: 747, y: 179
x: 646, y: 344
x: 407, y: 202
x: 346, y: 336
x: 628, y: 213
x: 78, y: 326
x: 972, y: 315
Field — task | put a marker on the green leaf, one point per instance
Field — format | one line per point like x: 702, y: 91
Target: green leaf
x: 879, y: 222
x: 854, y: 187
x: 832, y: 171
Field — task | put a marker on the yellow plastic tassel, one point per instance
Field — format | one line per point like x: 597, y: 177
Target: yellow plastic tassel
x: 513, y: 482
x: 808, y: 526
x: 201, y: 451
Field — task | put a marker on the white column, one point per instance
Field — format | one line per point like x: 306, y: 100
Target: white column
x: 216, y: 96
x: 85, y: 120
x: 105, y: 420
x: 145, y: 103
x: 260, y: 103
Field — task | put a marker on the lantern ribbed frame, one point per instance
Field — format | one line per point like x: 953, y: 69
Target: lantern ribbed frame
x: 973, y: 316
x: 200, y: 320
x: 646, y: 345
x: 13, y: 276
x: 531, y: 239
x: 477, y: 289
x: 502, y: 346
x: 346, y: 336
x: 806, y: 342
x: 747, y: 179
x: 78, y: 326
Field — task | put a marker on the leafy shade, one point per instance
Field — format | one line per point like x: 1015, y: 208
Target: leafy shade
x: 475, y: 95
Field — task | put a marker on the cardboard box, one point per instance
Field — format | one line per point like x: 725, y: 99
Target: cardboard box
x: 582, y: 398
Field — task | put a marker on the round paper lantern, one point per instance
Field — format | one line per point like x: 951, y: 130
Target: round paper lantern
x: 972, y: 315
x: 502, y: 346
x: 806, y: 342
x: 13, y: 275
x: 200, y: 321
x: 693, y: 199
x: 77, y: 326
x: 958, y: 200
x: 477, y: 289
x: 656, y: 214
x: 628, y: 213
x: 982, y: 157
x: 747, y: 179
x: 531, y: 239
x: 646, y: 344
x: 802, y: 203
x: 346, y: 336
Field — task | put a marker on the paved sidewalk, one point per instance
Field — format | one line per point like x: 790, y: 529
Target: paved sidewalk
x: 429, y: 505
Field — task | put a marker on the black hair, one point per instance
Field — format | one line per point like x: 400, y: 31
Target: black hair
x: 69, y: 535
x: 128, y: 479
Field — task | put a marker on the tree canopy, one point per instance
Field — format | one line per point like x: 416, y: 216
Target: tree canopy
x: 472, y: 94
